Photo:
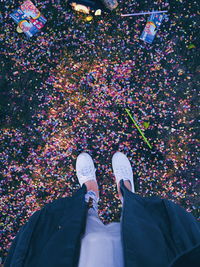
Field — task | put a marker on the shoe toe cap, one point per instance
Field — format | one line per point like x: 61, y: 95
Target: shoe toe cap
x: 120, y: 158
x: 84, y: 159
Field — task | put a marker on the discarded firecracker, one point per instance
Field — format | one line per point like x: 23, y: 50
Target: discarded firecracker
x: 29, y: 19
x: 152, y: 27
x: 110, y: 4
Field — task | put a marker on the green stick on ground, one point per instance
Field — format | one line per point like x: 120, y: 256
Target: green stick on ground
x: 145, y: 139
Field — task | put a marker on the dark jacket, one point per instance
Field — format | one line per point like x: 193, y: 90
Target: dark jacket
x: 155, y: 233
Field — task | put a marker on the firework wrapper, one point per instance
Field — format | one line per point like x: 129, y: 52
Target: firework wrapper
x: 152, y: 26
x: 28, y: 18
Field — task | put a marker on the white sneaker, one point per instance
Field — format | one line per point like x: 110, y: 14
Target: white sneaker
x: 85, y: 169
x: 122, y: 169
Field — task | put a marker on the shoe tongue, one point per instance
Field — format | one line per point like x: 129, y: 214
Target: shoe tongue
x: 124, y: 174
x: 86, y: 170
x: 86, y: 177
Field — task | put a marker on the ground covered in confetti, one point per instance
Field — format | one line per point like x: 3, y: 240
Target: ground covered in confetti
x: 65, y: 91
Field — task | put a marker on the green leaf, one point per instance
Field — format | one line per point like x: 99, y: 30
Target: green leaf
x: 146, y: 125
x: 190, y: 46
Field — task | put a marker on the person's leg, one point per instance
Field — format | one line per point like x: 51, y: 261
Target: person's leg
x: 93, y: 192
x: 85, y: 171
x: 92, y: 196
x: 128, y: 186
x: 92, y: 186
x: 123, y: 171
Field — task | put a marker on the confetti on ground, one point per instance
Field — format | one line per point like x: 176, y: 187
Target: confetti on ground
x: 65, y: 91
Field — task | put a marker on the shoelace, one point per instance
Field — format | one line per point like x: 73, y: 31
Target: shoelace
x: 87, y: 172
x: 122, y: 173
